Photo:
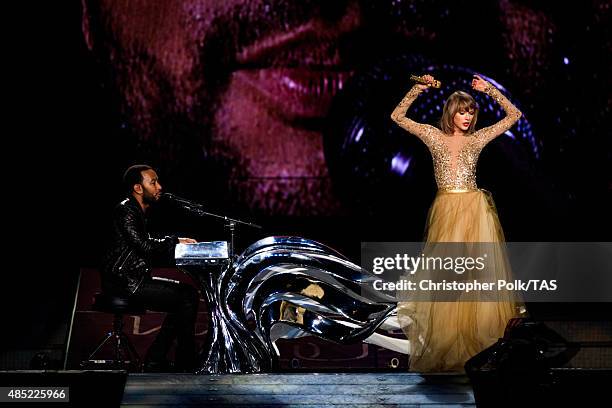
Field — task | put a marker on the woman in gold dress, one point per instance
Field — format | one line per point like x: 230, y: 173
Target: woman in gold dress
x: 444, y: 335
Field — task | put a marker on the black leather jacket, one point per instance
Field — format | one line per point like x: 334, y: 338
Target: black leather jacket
x: 128, y: 262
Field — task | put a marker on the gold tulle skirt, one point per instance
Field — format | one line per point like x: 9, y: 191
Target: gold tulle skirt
x: 444, y: 335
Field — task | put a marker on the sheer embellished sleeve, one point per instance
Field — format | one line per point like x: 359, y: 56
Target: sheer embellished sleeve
x: 423, y: 131
x: 485, y: 135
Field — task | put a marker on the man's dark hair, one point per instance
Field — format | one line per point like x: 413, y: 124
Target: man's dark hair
x: 133, y: 176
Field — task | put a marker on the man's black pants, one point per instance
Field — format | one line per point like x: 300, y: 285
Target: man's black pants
x: 180, y: 302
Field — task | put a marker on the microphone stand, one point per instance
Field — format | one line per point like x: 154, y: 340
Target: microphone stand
x: 225, y: 350
x: 198, y: 209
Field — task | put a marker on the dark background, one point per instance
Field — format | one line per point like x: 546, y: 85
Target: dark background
x: 74, y: 154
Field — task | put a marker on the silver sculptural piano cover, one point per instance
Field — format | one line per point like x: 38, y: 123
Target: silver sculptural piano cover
x: 214, y: 252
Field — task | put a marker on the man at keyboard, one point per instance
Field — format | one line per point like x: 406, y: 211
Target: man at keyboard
x: 127, y: 272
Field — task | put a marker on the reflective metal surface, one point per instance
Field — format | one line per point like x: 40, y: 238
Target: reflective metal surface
x: 186, y: 253
x: 284, y: 287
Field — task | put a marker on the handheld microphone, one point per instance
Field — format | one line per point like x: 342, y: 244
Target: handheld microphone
x: 420, y: 80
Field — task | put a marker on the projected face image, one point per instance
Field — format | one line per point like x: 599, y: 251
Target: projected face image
x: 241, y: 89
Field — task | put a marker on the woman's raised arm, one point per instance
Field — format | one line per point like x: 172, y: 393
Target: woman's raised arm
x: 422, y: 131
x: 485, y: 135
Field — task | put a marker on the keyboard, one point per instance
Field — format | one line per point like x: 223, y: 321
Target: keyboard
x: 202, y: 253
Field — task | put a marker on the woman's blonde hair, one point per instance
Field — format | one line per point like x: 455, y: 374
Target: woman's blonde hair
x: 456, y: 102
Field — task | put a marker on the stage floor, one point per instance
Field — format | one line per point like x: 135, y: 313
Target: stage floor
x: 303, y: 390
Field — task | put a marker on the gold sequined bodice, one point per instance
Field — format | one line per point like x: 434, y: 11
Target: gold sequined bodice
x: 454, y: 167
x: 455, y: 157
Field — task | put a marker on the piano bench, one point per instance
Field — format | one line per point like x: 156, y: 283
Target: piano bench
x: 125, y: 355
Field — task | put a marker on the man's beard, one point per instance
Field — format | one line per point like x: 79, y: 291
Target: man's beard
x: 149, y: 198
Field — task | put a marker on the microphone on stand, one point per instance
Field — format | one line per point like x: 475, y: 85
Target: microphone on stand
x: 420, y: 80
x: 181, y: 201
